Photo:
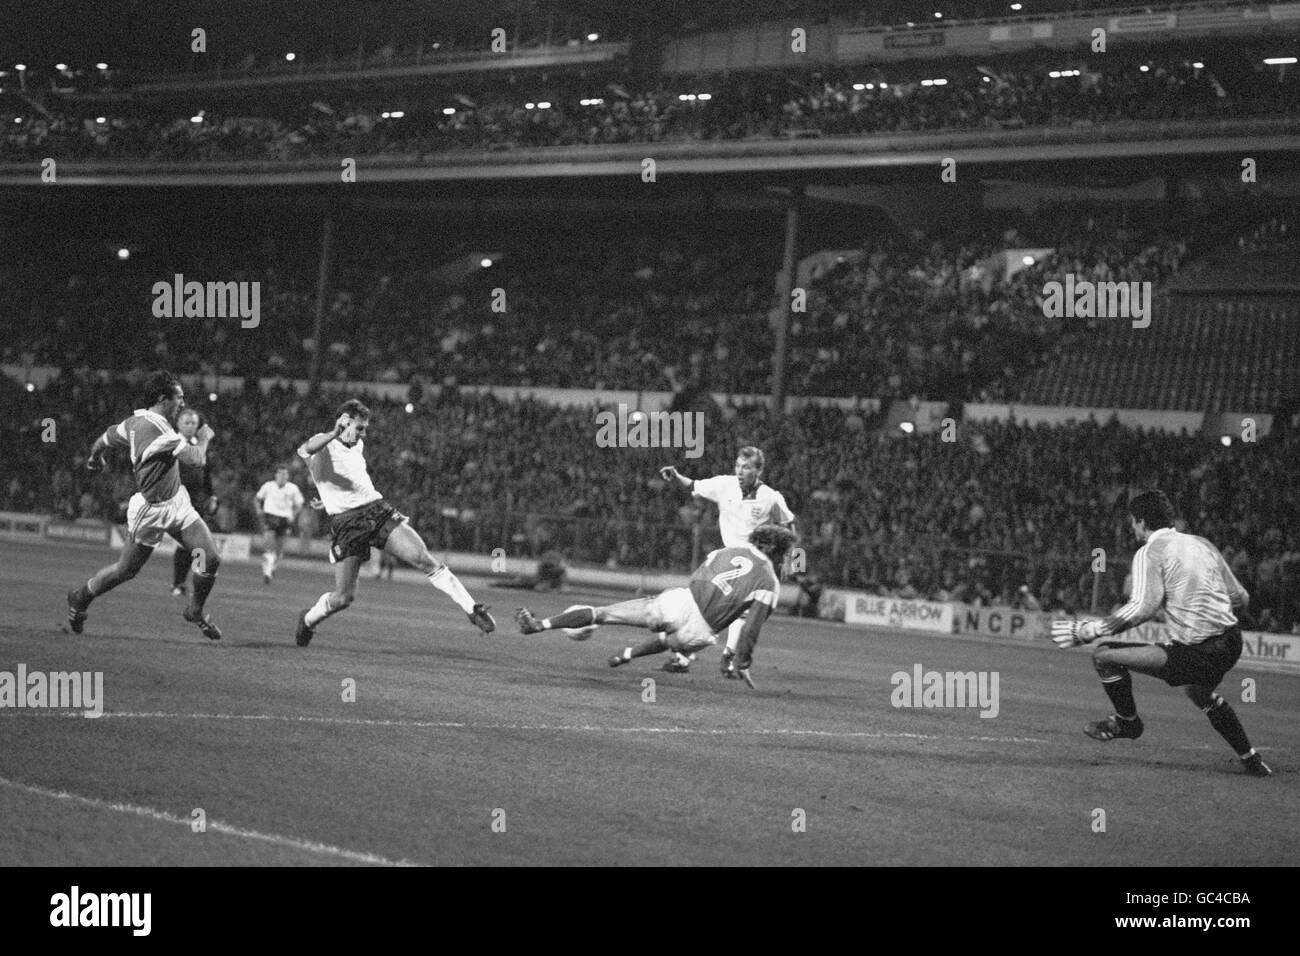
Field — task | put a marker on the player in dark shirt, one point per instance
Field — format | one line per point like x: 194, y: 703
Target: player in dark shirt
x: 731, y: 583
x: 161, y: 505
x: 197, y: 480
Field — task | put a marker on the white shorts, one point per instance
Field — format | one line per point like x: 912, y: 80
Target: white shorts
x: 675, y: 613
x: 148, y: 523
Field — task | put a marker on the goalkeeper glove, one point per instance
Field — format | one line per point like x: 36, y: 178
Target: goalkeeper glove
x: 1074, y: 633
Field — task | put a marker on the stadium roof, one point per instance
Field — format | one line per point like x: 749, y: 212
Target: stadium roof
x: 152, y: 35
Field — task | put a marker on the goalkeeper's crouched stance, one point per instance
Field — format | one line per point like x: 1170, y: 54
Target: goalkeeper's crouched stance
x: 731, y: 583
x: 1187, y: 577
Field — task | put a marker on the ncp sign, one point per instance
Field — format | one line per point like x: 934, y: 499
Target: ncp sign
x: 1000, y: 622
x: 897, y: 612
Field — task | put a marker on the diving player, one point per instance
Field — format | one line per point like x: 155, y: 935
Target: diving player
x: 731, y: 583
x: 744, y: 502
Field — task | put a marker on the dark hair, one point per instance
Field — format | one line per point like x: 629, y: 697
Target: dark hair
x: 1153, y: 508
x: 355, y: 408
x: 773, y: 540
x: 280, y: 468
x: 755, y: 454
x: 159, y: 387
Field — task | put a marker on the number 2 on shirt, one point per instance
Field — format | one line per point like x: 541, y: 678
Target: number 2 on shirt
x: 742, y: 567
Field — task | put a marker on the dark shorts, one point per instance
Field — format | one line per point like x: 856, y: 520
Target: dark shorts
x: 1203, y: 664
x: 355, y: 532
x: 277, y: 524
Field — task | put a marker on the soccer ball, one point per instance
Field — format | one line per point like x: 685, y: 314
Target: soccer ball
x: 578, y: 633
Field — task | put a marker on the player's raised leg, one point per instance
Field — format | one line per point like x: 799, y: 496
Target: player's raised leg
x: 128, y: 565
x: 1114, y: 661
x: 634, y: 613
x: 331, y: 602
x: 405, y: 543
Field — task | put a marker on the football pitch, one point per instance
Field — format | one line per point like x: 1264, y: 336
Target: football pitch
x: 505, y: 749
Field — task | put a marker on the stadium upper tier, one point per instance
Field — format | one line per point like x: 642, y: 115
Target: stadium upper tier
x: 599, y: 305
x: 1146, y: 86
x: 1003, y: 506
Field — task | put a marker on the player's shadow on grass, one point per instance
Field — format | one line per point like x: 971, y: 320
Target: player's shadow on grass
x: 103, y: 637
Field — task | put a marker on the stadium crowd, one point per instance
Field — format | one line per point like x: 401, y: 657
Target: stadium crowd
x: 1005, y: 94
x: 927, y: 315
x: 1002, y: 508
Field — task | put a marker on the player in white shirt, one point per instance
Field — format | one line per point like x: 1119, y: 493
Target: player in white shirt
x: 744, y: 503
x: 280, y: 501
x: 360, y: 518
x: 1185, y: 577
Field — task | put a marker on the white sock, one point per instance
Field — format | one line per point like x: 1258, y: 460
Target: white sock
x: 733, y: 633
x: 450, y: 585
x: 268, y: 562
x: 320, y: 610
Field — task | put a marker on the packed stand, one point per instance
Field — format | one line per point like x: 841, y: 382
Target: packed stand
x: 1005, y: 507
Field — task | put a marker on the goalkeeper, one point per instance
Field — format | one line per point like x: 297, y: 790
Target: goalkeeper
x: 1187, y: 577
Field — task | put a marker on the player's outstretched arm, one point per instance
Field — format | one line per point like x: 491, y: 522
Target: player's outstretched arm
x: 197, y: 454
x: 95, y: 461
x: 669, y: 473
x: 318, y: 441
x: 749, y: 638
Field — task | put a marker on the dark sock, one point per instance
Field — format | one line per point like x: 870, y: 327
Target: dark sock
x: 578, y: 617
x: 1224, y: 719
x: 1120, y: 693
x: 83, y: 597
x: 180, y: 568
x: 202, y: 588
x: 655, y: 645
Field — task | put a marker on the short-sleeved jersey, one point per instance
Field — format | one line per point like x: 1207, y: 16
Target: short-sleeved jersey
x: 153, y: 446
x: 1186, y: 576
x: 280, y: 502
x: 729, y: 581
x: 739, y: 515
x: 341, y: 477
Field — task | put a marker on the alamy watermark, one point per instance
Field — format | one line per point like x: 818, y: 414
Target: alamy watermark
x: 923, y: 688
x: 1085, y: 299
x: 208, y: 300
x: 637, y: 429
x: 75, y: 909
x: 71, y: 690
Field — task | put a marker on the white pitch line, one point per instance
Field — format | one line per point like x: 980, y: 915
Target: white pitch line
x: 570, y: 728
x: 215, y: 826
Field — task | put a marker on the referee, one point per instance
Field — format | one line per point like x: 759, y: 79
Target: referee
x: 1186, y: 576
x: 197, y: 480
